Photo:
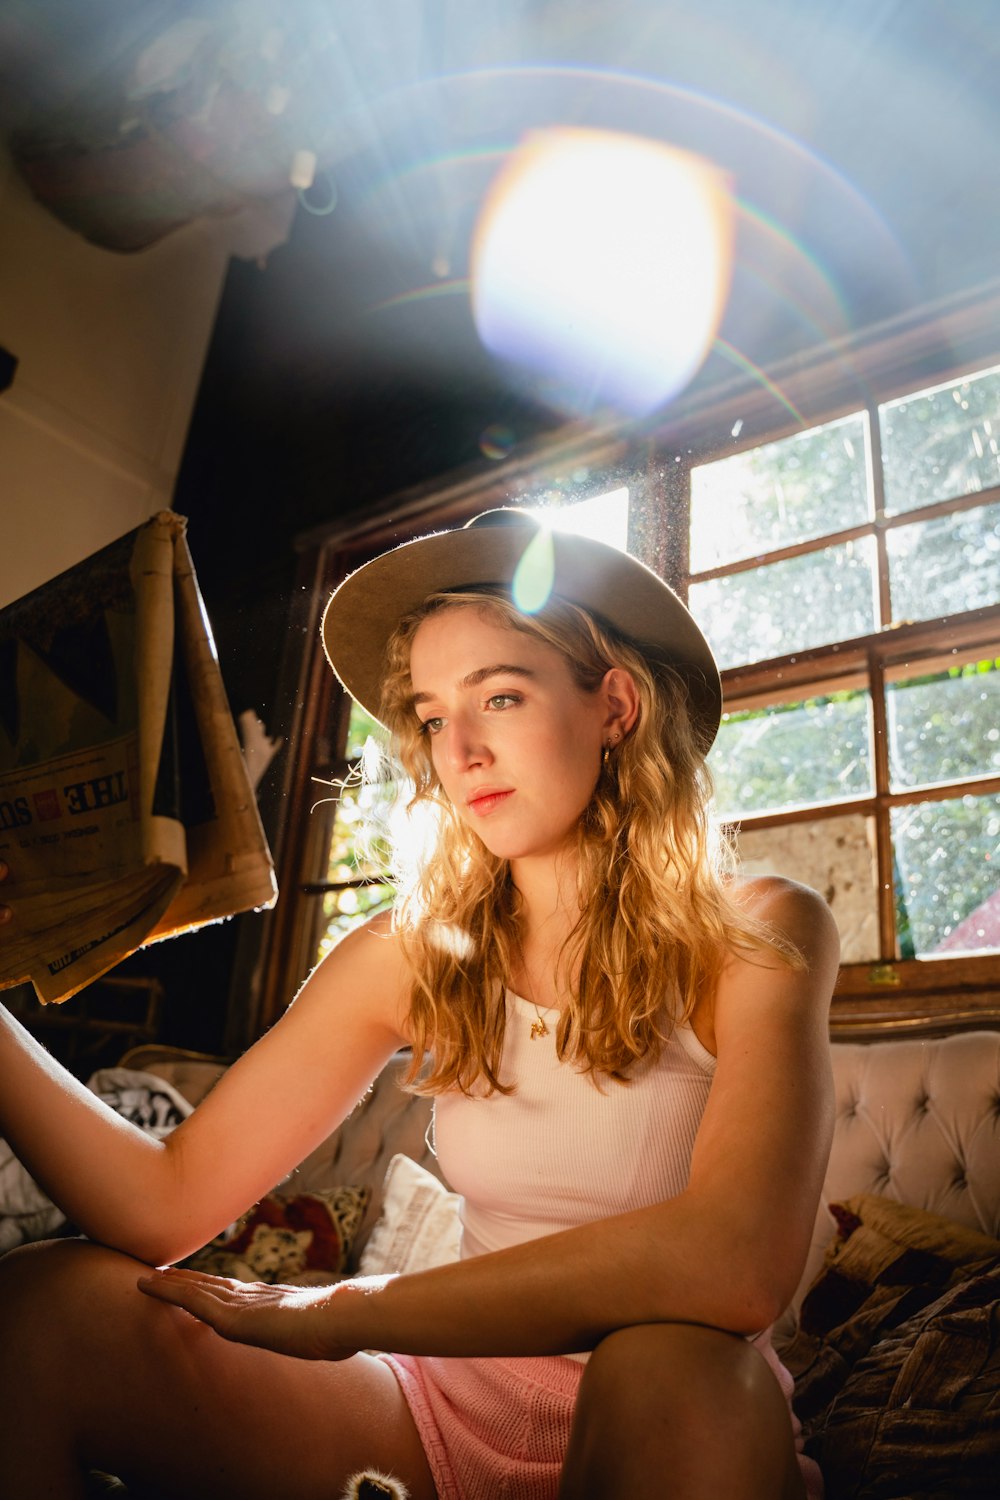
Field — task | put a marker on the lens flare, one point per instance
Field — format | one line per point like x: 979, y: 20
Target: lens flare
x: 496, y: 441
x: 601, y: 263
x: 535, y: 573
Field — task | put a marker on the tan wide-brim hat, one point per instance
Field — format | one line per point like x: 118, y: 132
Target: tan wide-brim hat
x: 365, y: 610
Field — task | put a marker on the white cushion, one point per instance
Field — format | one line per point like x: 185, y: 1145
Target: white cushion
x: 419, y: 1224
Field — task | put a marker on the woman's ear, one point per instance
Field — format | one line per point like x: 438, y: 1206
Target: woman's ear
x: 621, y: 698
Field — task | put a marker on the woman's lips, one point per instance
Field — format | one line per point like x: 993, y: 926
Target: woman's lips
x: 485, y: 802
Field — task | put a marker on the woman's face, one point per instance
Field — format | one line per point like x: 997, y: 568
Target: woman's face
x: 515, y: 742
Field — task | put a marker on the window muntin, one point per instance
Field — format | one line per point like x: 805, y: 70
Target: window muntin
x: 345, y: 908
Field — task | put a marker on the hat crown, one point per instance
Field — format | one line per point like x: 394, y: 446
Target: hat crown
x: 502, y: 515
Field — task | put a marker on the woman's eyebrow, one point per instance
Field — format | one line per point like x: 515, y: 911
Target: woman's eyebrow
x: 479, y: 676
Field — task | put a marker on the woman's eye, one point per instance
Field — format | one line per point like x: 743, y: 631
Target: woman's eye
x: 431, y: 726
x: 500, y: 701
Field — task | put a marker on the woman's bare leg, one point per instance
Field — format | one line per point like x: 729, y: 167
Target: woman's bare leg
x: 95, y: 1375
x: 678, y: 1410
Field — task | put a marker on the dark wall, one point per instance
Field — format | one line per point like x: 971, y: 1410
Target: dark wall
x: 305, y: 414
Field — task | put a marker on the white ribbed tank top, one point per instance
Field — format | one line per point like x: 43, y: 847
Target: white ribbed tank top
x: 561, y: 1151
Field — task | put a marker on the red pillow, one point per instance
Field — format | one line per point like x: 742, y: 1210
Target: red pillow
x: 300, y: 1241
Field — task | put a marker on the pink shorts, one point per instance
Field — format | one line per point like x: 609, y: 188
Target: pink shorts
x: 492, y: 1429
x: 498, y: 1429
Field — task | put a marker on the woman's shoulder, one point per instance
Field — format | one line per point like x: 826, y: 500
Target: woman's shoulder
x: 373, y: 946
x: 368, y: 965
x: 754, y: 891
x: 795, y: 911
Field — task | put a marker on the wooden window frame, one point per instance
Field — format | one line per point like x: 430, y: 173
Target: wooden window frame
x: 910, y: 994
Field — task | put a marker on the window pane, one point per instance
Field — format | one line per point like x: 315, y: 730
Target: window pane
x: 358, y: 809
x: 343, y: 910
x: 945, y: 566
x: 360, y: 727
x: 944, y: 725
x: 790, y: 491
x: 942, y: 443
x: 948, y: 875
x: 836, y: 857
x: 603, y: 518
x: 793, y: 754
x: 787, y: 606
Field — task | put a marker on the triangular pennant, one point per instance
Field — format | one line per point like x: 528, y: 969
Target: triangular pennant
x: 82, y: 658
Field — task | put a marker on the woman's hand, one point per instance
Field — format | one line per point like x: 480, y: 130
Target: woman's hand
x: 298, y: 1321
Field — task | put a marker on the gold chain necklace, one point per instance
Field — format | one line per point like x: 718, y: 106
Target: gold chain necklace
x: 538, y: 1026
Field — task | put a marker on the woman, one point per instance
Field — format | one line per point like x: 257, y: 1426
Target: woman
x: 629, y: 1061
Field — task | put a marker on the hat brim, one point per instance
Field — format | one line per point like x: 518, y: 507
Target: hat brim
x: 366, y: 608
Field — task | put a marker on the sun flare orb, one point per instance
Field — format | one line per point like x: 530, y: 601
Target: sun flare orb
x: 601, y: 264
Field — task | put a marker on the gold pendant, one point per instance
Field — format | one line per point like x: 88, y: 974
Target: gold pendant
x: 538, y: 1028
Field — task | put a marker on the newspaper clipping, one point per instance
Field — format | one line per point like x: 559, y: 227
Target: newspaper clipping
x: 126, y: 811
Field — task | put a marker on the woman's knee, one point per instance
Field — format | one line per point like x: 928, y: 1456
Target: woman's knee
x: 697, y: 1404
x: 679, y: 1372
x: 54, y: 1269
x: 60, y: 1299
x: 29, y: 1275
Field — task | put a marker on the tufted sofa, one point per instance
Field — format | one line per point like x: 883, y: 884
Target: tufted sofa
x: 899, y: 1402
x: 918, y: 1121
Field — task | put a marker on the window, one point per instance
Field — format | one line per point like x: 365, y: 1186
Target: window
x: 848, y: 577
x: 846, y: 570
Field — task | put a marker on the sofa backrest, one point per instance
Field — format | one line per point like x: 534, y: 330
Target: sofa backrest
x: 918, y: 1121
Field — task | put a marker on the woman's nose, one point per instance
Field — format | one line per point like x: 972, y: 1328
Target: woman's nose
x: 463, y: 745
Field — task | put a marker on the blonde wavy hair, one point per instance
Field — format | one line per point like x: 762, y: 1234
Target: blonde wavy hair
x: 657, y: 920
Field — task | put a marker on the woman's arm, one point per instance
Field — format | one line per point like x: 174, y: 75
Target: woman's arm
x: 727, y: 1252
x: 159, y: 1200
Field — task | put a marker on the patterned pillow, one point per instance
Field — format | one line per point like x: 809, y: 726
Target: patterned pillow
x: 898, y: 1357
x: 299, y: 1241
